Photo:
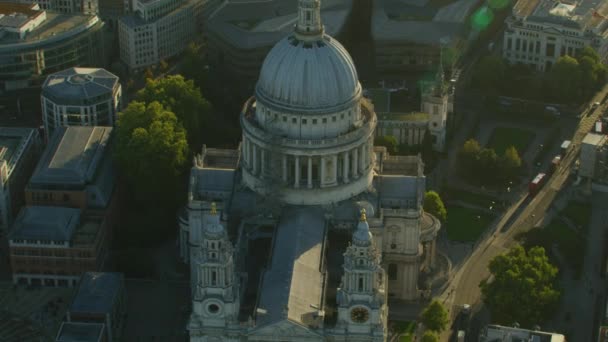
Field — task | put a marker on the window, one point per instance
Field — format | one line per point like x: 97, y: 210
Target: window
x: 342, y: 116
x: 66, y: 197
x: 294, y: 120
x: 303, y: 121
x: 324, y: 120
x: 308, y: 16
x: 284, y: 118
x: 333, y: 118
x: 213, y: 278
x: 360, y: 284
x: 314, y: 121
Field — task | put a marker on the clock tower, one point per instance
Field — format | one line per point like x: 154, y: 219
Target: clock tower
x: 215, y: 302
x: 362, y: 310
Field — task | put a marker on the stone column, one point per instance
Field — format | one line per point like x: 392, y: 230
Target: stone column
x: 284, y: 168
x: 254, y: 149
x: 362, y: 159
x: 355, y: 162
x: 335, y: 162
x: 345, y: 167
x: 323, y: 171
x: 309, y: 172
x: 263, y: 161
x: 433, y: 252
x: 297, y: 172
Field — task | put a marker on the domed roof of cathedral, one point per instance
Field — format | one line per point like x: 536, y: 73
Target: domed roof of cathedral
x: 362, y: 235
x: 308, y: 71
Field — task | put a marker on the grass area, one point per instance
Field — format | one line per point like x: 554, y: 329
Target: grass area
x: 415, y: 116
x: 468, y: 197
x: 464, y: 224
x: 578, y: 213
x: 503, y: 137
x: 407, y: 329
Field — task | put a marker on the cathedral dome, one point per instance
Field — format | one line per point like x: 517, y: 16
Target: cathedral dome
x: 308, y: 71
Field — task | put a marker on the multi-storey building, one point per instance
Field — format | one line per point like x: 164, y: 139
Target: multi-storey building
x: 101, y: 299
x: 80, y: 97
x: 53, y: 246
x: 82, y: 332
x: 157, y: 30
x: 88, y: 7
x: 36, y: 42
x: 267, y: 227
x: 76, y: 171
x: 19, y: 152
x: 541, y: 31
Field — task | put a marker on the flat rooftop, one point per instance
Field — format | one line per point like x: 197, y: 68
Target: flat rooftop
x: 248, y: 24
x: 45, y: 223
x: 420, y: 21
x: 567, y: 13
x: 80, y: 332
x: 54, y: 25
x: 97, y: 292
x: 594, y: 139
x: 500, y: 333
x: 79, y: 84
x: 15, y: 15
x: 72, y: 156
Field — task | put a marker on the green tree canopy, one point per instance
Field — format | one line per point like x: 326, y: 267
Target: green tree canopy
x: 151, y: 150
x: 468, y: 154
x: 434, y: 205
x: 510, y: 163
x: 521, y: 278
x: 183, y: 98
x: 388, y: 141
x: 430, y: 336
x: 564, y: 79
x: 435, y: 316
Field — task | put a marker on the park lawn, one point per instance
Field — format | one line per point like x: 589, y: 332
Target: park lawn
x: 480, y: 200
x: 407, y: 329
x: 579, y: 213
x: 570, y: 243
x: 503, y: 137
x: 465, y: 224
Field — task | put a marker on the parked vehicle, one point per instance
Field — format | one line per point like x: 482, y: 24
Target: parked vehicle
x: 565, y: 147
x: 536, y: 184
x: 555, y: 164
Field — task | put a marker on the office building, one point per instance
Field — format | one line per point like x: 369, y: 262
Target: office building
x: 80, y: 97
x: 498, y: 333
x: 541, y: 31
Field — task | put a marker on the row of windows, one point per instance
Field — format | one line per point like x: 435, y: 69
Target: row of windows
x: 48, y: 196
x: 314, y: 121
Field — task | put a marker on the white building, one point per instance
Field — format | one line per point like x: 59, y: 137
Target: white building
x: 87, y: 7
x: 498, y: 333
x: 80, y: 97
x: 157, y: 30
x: 540, y: 31
x: 288, y: 236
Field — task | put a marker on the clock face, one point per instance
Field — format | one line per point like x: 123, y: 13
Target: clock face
x: 359, y: 315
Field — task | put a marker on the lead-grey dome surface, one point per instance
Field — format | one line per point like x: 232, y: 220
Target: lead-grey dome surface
x: 308, y: 76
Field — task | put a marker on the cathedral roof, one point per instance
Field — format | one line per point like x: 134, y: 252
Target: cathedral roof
x: 308, y: 72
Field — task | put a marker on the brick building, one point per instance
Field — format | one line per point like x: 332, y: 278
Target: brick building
x: 53, y: 246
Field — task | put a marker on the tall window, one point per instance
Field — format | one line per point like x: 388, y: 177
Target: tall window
x: 213, y: 278
x: 360, y: 284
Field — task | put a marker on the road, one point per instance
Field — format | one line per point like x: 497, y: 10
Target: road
x: 464, y: 287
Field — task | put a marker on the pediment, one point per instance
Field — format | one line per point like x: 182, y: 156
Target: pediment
x: 552, y: 30
x: 284, y: 330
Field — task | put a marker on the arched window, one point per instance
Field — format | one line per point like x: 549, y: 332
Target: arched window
x: 213, y: 278
x: 360, y: 284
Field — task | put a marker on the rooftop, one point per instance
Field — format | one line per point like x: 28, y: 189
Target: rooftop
x: 72, y: 156
x: 45, y: 223
x: 80, y: 84
x: 80, y: 332
x: 589, y: 14
x: 420, y: 21
x: 497, y: 333
x: 15, y: 15
x: 249, y: 24
x: 292, y: 285
x: 411, y: 117
x: 97, y: 292
x: 53, y: 27
x: 594, y: 139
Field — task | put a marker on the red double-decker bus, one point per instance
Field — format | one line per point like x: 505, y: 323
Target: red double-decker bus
x: 536, y: 184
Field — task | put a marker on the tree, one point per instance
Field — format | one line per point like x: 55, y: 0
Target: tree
x: 388, y: 141
x: 193, y: 65
x: 148, y: 74
x: 434, y: 205
x: 487, y: 164
x: 435, y: 316
x: 518, y: 279
x: 489, y: 73
x: 184, y: 99
x: 430, y: 336
x: 564, y: 80
x: 163, y: 66
x: 468, y: 154
x: 510, y: 162
x: 151, y: 151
